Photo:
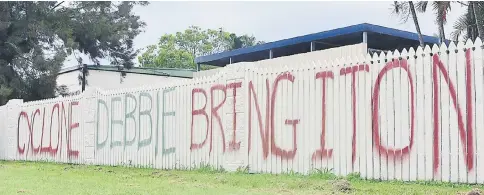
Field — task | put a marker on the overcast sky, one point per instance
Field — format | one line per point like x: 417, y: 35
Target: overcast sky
x: 272, y: 21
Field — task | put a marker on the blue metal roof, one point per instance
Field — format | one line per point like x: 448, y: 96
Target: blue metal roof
x: 344, y: 34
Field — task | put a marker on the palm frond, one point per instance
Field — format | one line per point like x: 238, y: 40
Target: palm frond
x: 421, y: 6
x: 402, y: 10
x: 460, y: 26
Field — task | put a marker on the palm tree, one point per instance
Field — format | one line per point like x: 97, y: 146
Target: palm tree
x: 405, y: 10
x: 469, y: 25
x: 476, y: 10
x: 441, y: 9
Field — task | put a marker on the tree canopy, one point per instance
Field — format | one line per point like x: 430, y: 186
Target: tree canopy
x: 469, y: 25
x: 180, y: 49
x: 36, y: 38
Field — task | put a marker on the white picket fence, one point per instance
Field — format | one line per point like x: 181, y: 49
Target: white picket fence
x: 414, y: 115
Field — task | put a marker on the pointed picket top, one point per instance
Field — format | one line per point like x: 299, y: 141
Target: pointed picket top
x: 411, y: 52
x: 460, y: 46
x: 336, y: 63
x: 443, y: 50
x: 185, y: 82
x: 375, y: 55
x: 331, y: 63
x: 477, y: 42
x: 405, y: 51
x: 368, y: 59
x: 388, y: 58
x: 452, y: 47
x: 285, y: 68
x: 376, y: 58
x: 300, y: 66
x: 435, y: 49
x: 343, y: 62
x: 358, y: 59
x: 207, y: 77
x: 381, y: 58
x: 396, y: 55
x: 419, y: 51
x: 204, y: 78
x: 361, y: 59
x: 262, y: 71
x: 324, y: 63
x: 469, y: 43
x: 319, y: 65
x: 312, y: 65
x: 427, y: 49
x: 196, y: 80
x: 404, y: 54
x: 350, y: 61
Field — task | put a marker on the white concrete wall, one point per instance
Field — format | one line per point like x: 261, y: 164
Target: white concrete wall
x: 108, y: 80
x: 415, y: 115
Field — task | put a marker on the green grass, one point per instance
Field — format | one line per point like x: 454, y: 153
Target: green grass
x: 49, y: 178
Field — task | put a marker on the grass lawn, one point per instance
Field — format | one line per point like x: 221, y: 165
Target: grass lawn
x: 51, y: 179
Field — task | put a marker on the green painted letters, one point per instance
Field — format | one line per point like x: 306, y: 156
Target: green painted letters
x: 103, y: 143
x: 165, y: 150
x: 114, y: 122
x: 126, y: 116
x: 147, y: 112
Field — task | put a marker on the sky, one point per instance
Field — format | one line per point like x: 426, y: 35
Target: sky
x: 271, y: 21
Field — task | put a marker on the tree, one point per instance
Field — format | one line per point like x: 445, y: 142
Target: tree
x: 477, y: 16
x: 405, y: 10
x: 180, y: 49
x: 62, y: 90
x: 441, y: 9
x: 36, y: 38
x: 469, y: 25
x: 168, y: 55
x: 243, y: 41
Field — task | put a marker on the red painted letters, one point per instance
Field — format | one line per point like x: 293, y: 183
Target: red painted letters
x: 382, y: 149
x: 31, y: 132
x: 200, y: 111
x: 466, y: 138
x: 352, y: 71
x: 233, y: 144
x: 285, y: 154
x: 323, y: 152
x: 264, y: 132
x: 71, y: 152
x: 215, y: 114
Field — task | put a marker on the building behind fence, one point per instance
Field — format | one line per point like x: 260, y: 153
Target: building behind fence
x: 414, y: 115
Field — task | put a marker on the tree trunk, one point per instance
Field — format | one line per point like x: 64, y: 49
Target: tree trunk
x: 471, y: 32
x: 478, y: 20
x: 84, y: 70
x: 417, y: 26
x: 441, y: 32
